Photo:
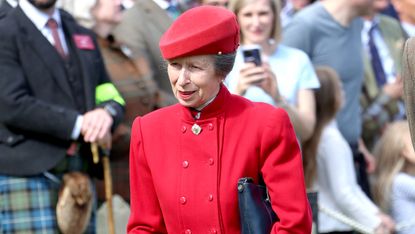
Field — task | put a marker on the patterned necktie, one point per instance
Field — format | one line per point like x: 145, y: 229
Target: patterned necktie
x: 375, y: 59
x: 53, y: 26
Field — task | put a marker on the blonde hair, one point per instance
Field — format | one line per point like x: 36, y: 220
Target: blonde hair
x: 390, y: 161
x: 236, y: 5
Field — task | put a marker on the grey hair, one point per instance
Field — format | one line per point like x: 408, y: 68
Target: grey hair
x: 224, y: 63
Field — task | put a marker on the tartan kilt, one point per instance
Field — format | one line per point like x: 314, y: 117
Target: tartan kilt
x: 28, y: 205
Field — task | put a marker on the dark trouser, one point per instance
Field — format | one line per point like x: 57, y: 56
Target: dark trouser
x: 360, y: 168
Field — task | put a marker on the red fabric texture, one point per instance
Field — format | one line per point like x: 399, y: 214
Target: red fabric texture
x: 200, y: 31
x: 187, y: 183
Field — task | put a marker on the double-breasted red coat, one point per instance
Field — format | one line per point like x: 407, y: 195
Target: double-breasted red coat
x: 182, y: 182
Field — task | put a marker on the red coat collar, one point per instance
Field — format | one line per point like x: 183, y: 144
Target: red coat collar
x: 214, y: 109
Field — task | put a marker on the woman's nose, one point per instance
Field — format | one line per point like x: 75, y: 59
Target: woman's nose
x: 255, y: 20
x: 183, y: 77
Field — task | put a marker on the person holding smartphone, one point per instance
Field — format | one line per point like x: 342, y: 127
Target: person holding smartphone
x: 285, y: 77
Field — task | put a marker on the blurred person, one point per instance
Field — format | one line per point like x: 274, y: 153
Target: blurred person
x: 178, y: 185
x: 286, y: 75
x: 290, y: 7
x: 102, y: 16
x: 80, y: 10
x: 329, y: 167
x: 138, y: 32
x: 329, y: 32
x: 56, y: 99
x: 381, y: 98
x: 394, y: 188
x: 6, y: 6
x: 406, y: 13
x: 222, y: 3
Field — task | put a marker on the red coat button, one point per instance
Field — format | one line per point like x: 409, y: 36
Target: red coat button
x: 210, y: 197
x: 210, y: 126
x: 185, y: 164
x: 213, y: 231
x: 188, y: 231
x: 211, y: 161
x: 183, y: 200
x: 184, y: 129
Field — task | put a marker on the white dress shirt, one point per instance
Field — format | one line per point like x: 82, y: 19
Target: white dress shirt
x: 40, y: 19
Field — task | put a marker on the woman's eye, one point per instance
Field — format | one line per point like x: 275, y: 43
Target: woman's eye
x: 194, y: 67
x: 174, y: 64
x: 264, y: 13
x: 246, y: 15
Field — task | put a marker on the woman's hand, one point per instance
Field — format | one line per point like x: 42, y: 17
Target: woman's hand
x: 386, y: 226
x: 261, y: 76
x: 249, y: 75
x: 270, y: 83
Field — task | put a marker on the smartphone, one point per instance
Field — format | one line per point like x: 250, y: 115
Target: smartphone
x: 252, y: 54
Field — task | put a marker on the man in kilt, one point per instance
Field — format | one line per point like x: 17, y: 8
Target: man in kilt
x: 56, y: 98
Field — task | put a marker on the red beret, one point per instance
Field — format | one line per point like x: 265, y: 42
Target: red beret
x: 199, y: 31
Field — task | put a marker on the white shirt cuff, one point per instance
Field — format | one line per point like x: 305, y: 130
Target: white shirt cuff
x: 77, y: 128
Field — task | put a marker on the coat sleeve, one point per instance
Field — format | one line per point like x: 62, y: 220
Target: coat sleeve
x: 283, y: 174
x: 146, y: 215
x: 19, y: 107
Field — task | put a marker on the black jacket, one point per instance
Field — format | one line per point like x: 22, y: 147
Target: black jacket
x: 4, y: 9
x: 37, y: 107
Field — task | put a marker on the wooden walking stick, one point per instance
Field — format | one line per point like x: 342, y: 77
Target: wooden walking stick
x: 107, y: 182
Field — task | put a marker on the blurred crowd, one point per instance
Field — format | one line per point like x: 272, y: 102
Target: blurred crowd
x: 333, y: 65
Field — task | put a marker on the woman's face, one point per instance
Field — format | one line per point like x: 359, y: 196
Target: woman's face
x: 193, y: 79
x: 256, y: 20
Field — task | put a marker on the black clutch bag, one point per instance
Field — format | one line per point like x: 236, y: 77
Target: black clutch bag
x: 255, y: 211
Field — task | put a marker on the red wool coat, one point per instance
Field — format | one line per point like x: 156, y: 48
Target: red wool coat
x: 187, y: 183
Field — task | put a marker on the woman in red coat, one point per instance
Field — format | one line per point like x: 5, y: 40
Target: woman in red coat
x: 186, y: 159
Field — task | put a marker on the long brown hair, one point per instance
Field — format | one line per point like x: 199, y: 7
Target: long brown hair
x: 328, y: 103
